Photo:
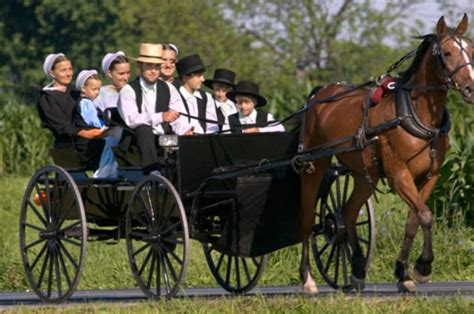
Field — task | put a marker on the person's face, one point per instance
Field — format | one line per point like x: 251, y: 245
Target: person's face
x: 150, y: 72
x: 195, y: 80
x: 219, y: 91
x: 62, y: 72
x: 119, y: 75
x: 91, y: 88
x: 169, y: 65
x: 245, y: 104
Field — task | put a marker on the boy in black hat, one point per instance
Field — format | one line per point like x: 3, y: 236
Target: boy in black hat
x: 221, y: 83
x: 199, y: 104
x: 247, y: 98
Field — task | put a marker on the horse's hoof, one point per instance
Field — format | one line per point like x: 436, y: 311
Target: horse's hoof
x: 406, y: 286
x: 310, y: 288
x: 357, y: 283
x: 419, y: 277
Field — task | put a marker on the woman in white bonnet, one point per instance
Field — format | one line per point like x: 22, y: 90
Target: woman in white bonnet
x: 56, y: 105
x: 117, y: 69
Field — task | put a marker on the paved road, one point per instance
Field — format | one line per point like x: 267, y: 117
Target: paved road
x: 10, y: 299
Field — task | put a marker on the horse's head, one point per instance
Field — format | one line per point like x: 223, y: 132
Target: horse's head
x: 455, y: 53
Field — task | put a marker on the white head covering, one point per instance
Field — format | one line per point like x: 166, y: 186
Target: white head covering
x: 83, y: 76
x: 109, y: 58
x: 175, y: 49
x: 49, y: 61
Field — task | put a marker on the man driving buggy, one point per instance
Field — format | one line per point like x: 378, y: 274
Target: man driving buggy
x: 151, y: 107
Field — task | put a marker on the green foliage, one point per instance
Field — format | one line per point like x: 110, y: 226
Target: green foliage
x: 24, y: 146
x: 453, y: 198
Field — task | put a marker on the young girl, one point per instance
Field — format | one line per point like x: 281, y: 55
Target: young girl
x: 247, y: 98
x: 56, y: 105
x: 89, y: 83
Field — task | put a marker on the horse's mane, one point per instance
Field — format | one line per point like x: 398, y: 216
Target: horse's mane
x: 406, y: 75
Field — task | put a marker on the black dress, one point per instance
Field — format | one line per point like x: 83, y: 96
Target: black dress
x: 56, y: 110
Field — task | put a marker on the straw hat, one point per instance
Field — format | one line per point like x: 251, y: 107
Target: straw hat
x: 150, y: 53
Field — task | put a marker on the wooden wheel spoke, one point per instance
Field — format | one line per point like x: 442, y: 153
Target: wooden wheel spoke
x: 64, y: 266
x: 145, y: 261
x: 361, y: 223
x: 152, y: 268
x: 219, y: 262
x: 329, y: 260
x: 137, y: 234
x: 43, y: 269
x: 38, y: 215
x: 34, y: 243
x: 333, y: 202
x: 50, y: 272
x: 146, y: 210
x: 338, y: 192
x: 336, y: 267
x: 176, y: 257
x: 164, y: 273
x: 256, y: 261
x: 78, y: 223
x: 38, y: 257
x: 58, y: 271
x: 68, y: 255
x: 173, y: 240
x: 322, y: 250
x: 237, y: 272
x: 71, y: 241
x: 141, y: 249
x: 344, y: 264
x: 33, y: 227
x: 363, y: 240
x: 228, y: 270
x: 246, y: 269
x: 170, y: 227
x: 171, y: 268
x: 168, y: 215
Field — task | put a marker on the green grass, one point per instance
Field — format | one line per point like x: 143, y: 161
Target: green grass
x: 337, y: 303
x: 107, y: 265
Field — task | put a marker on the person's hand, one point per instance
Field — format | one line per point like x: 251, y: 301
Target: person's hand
x: 170, y: 116
x: 190, y: 131
x: 251, y: 130
x: 92, y: 133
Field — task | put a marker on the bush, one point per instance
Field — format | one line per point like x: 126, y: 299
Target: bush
x: 24, y: 145
x: 453, y: 196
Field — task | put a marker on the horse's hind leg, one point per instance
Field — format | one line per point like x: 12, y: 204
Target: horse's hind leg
x: 309, y: 188
x: 361, y: 192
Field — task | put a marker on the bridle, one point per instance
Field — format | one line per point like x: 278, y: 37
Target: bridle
x: 448, y: 76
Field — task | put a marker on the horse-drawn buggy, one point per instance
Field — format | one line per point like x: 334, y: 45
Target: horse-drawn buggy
x: 243, y: 196
x: 238, y: 195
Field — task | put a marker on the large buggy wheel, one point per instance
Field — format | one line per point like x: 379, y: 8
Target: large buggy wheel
x: 53, y: 234
x: 157, y: 237
x: 236, y: 274
x: 331, y: 248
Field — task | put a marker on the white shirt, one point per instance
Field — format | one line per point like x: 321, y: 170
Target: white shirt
x: 191, y: 100
x: 128, y: 109
x: 252, y: 119
x: 108, y: 98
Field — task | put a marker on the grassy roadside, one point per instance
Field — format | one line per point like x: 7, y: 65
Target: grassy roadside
x: 107, y: 265
x: 337, y: 303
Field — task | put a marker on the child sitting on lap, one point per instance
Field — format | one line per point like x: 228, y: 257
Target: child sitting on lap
x: 88, y: 83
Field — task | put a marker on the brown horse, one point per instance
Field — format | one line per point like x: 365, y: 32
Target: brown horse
x: 410, y: 152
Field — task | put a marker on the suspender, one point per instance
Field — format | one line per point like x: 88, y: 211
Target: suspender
x: 236, y: 126
x: 201, y: 104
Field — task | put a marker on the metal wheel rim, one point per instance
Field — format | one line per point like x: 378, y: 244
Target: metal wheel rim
x: 151, y: 242
x: 61, y: 264
x: 337, y: 275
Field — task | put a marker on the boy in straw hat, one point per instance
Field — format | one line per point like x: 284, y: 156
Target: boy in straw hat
x: 151, y: 107
x: 199, y: 104
x: 246, y: 95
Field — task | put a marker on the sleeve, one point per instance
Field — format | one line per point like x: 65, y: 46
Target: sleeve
x: 54, y: 118
x: 89, y: 113
x: 211, y: 114
x: 127, y: 107
x: 100, y: 101
x: 181, y: 125
x: 272, y: 128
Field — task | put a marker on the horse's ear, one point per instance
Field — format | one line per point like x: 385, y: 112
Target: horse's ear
x: 462, y: 27
x: 441, y: 26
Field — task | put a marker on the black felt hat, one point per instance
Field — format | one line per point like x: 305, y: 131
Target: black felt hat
x: 247, y: 88
x: 190, y: 64
x: 222, y: 76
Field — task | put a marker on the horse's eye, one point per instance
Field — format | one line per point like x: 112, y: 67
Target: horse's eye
x: 447, y: 53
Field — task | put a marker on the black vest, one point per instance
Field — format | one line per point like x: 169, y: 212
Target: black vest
x: 220, y: 115
x: 201, y: 104
x: 237, y: 127
x: 162, y: 99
